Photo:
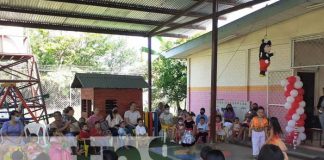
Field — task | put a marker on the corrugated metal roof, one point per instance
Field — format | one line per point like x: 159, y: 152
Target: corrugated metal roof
x: 94, y: 80
x: 275, y: 13
x: 68, y: 13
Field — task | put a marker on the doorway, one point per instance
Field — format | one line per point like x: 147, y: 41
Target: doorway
x: 308, y: 79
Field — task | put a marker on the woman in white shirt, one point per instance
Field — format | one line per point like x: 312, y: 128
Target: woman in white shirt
x: 114, y: 120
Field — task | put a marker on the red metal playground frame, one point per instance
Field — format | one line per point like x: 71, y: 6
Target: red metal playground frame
x: 21, y: 88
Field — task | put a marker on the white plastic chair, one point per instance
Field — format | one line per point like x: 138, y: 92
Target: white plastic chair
x: 34, y: 128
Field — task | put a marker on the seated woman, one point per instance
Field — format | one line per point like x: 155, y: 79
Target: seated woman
x: 59, y: 125
x: 114, y: 119
x: 12, y: 129
x: 74, y: 128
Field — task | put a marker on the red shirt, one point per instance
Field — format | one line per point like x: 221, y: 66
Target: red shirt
x: 94, y: 132
x: 84, y: 134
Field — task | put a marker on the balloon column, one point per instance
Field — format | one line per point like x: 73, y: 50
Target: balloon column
x: 295, y: 105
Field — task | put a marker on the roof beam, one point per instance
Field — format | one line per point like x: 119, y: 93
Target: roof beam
x: 29, y: 24
x: 129, y: 6
x: 225, y: 2
x: 89, y: 29
x: 177, y: 16
x: 222, y: 12
x: 38, y: 11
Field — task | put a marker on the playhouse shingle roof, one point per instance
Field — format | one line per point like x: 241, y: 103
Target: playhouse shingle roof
x: 94, y: 80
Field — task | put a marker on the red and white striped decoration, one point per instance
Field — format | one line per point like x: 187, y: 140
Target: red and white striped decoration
x: 295, y: 105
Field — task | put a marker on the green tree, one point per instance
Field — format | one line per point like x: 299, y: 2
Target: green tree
x: 170, y: 79
x: 95, y: 50
x: 169, y: 75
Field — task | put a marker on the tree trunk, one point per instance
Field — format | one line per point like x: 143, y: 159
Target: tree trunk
x: 178, y: 105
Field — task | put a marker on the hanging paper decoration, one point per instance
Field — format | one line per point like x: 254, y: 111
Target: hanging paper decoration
x: 295, y: 106
x: 264, y: 56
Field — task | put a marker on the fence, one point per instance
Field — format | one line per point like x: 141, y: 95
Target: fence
x: 275, y: 95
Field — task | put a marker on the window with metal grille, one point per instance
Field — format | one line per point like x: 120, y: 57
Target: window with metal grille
x: 110, y: 104
x: 86, y: 106
x: 308, y: 52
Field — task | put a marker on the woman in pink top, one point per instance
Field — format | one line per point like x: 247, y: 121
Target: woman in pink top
x: 94, y: 118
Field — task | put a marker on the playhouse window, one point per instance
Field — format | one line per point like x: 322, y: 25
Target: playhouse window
x: 110, y: 104
x: 86, y: 106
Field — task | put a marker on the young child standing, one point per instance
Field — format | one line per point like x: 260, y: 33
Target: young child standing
x: 202, y: 128
x: 257, y: 131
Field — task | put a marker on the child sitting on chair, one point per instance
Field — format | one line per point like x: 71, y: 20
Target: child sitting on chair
x: 166, y: 119
x: 122, y: 134
x: 179, y: 129
x: 96, y: 131
x: 236, y: 128
x: 188, y: 138
x: 84, y: 133
x: 202, y: 128
x: 140, y: 128
x: 140, y: 132
x: 32, y: 147
x: 220, y: 133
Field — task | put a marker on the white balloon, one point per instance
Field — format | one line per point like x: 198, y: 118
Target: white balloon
x: 294, y: 93
x: 297, y: 78
x: 300, y: 111
x: 287, y: 105
x: 284, y: 83
x: 289, y: 129
x: 298, y: 85
x: 291, y: 123
x: 302, y: 104
x: 301, y: 129
x: 302, y: 136
x: 295, y: 117
x: 290, y: 99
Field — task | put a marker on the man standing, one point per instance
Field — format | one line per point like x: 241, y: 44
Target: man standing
x: 320, y: 107
x: 131, y: 116
x: 202, y: 114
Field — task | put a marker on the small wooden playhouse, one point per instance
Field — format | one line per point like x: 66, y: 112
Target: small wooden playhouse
x: 106, y: 91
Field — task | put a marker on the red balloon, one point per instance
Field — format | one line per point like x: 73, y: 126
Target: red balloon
x: 294, y: 106
x: 290, y: 87
x: 303, y: 116
x: 300, y: 123
x: 291, y: 79
x: 287, y: 117
x: 287, y: 94
x: 299, y: 98
x: 301, y: 91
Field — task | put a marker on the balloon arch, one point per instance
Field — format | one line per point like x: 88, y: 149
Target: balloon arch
x: 295, y: 105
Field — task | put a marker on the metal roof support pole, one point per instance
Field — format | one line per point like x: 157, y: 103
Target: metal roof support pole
x: 214, y: 71
x: 149, y: 66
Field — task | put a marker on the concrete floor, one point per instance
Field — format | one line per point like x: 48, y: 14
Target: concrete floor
x: 231, y: 152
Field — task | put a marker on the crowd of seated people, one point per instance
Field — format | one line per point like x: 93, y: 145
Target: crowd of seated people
x: 186, y: 128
